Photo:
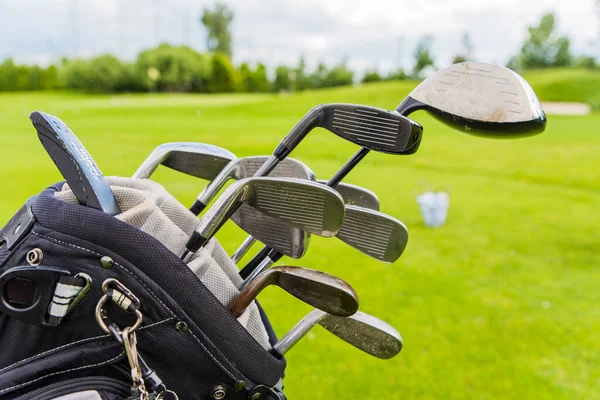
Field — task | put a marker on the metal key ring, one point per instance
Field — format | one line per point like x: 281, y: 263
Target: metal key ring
x: 123, y: 291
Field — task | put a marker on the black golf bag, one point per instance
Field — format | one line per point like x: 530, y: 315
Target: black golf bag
x: 82, y: 292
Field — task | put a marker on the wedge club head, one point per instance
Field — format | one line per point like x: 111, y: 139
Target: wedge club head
x: 201, y: 160
x: 323, y: 291
x: 74, y: 163
x: 361, y: 330
x: 480, y: 99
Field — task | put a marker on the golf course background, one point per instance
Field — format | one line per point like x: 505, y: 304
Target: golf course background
x: 502, y: 302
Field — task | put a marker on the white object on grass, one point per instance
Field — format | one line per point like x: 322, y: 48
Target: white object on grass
x: 434, y: 208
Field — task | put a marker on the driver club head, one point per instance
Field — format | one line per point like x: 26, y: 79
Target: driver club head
x: 323, y: 291
x: 480, y: 99
x: 201, y: 160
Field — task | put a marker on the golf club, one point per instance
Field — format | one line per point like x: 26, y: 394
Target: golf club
x: 355, y: 195
x: 323, y: 291
x: 479, y: 99
x: 246, y: 167
x: 302, y: 204
x: 372, y: 232
x: 469, y: 104
x: 74, y: 163
x: 363, y: 331
x: 201, y: 160
x: 352, y: 194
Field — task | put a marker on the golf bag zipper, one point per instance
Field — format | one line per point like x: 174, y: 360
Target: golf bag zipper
x: 97, y: 383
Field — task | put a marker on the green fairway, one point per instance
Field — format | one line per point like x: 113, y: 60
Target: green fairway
x: 503, y: 302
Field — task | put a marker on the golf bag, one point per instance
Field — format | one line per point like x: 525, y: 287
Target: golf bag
x: 83, y: 292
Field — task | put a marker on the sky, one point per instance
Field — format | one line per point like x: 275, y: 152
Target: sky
x: 369, y: 34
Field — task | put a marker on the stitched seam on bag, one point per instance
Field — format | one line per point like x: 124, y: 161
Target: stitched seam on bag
x: 75, y: 343
x: 62, y: 372
x: 116, y: 263
x: 173, y: 314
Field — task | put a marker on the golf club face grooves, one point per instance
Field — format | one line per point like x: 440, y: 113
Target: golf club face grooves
x: 201, y: 160
x: 374, y: 233
x: 480, y: 99
x: 302, y: 204
x: 74, y: 163
x: 366, y: 333
x: 373, y: 128
x: 316, y: 288
x: 290, y: 241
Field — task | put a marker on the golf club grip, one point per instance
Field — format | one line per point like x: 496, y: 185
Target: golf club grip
x: 197, y: 207
x: 74, y: 163
x: 258, y: 258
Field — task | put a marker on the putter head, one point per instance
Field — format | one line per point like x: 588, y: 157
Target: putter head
x: 480, y: 99
x: 74, y: 163
x: 369, y: 127
x: 292, y: 242
x: 374, y: 233
x: 355, y: 195
x: 301, y: 204
x: 365, y: 332
x: 318, y: 289
x: 201, y: 160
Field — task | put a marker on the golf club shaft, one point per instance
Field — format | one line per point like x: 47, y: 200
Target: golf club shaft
x: 298, y: 331
x: 243, y: 249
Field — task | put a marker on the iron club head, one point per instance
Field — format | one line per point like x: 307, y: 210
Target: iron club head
x: 246, y: 167
x: 302, y: 204
x: 201, y: 160
x: 479, y: 99
x: 355, y: 195
x: 323, y: 291
x: 374, y: 233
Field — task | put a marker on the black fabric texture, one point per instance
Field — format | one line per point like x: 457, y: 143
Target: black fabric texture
x: 215, y: 350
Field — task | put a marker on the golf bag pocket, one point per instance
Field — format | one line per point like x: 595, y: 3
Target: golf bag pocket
x: 186, y: 334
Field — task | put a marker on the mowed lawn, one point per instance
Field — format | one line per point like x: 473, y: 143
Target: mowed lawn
x: 503, y: 302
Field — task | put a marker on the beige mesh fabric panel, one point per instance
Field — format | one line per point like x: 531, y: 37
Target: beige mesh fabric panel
x: 148, y: 206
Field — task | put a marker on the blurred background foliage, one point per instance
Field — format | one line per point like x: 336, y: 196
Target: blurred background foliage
x: 168, y: 68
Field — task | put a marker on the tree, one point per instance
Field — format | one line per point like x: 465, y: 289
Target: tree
x: 542, y: 48
x: 218, y: 24
x: 254, y: 81
x: 282, y: 80
x: 371, y: 76
x: 224, y: 76
x: 397, y: 75
x: 339, y: 75
x: 302, y: 80
x: 423, y: 56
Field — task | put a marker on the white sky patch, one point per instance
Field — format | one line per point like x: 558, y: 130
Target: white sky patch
x: 370, y: 34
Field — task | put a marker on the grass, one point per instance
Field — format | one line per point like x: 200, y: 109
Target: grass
x: 567, y: 84
x: 500, y: 303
